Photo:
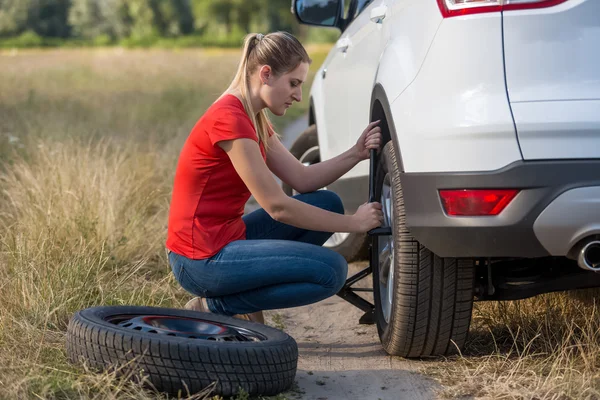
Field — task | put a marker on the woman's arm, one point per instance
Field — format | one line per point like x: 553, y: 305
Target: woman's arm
x: 313, y: 177
x: 326, y: 172
x: 248, y: 163
x: 303, y: 178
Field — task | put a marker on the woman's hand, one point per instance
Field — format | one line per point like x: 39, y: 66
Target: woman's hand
x: 370, y: 139
x: 368, y: 216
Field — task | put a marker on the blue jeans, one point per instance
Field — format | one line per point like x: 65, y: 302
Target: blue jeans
x: 277, y: 266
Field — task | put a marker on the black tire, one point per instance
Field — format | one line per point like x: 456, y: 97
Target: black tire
x: 432, y: 297
x: 355, y: 246
x: 182, y: 365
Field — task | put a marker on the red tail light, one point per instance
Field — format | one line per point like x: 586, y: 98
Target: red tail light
x: 454, y: 8
x: 480, y: 202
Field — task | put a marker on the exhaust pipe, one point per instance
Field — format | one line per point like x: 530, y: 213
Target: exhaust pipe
x: 588, y: 256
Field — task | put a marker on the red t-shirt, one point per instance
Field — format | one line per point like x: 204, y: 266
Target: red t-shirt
x: 208, y: 195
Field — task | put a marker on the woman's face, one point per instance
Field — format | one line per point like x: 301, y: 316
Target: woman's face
x: 280, y: 92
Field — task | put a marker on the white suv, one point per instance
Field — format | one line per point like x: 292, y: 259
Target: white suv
x: 490, y: 177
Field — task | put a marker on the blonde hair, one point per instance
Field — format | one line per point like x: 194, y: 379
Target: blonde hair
x: 282, y: 52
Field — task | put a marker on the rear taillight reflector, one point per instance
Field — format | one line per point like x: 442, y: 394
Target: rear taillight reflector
x: 477, y: 202
x: 454, y: 8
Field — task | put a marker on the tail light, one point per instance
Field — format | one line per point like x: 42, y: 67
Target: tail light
x: 454, y: 8
x: 478, y: 202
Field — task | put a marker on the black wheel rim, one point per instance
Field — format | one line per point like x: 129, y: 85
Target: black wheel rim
x: 191, y: 328
x: 382, y: 250
x: 385, y: 252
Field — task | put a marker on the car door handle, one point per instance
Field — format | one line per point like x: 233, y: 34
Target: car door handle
x: 378, y: 14
x: 343, y: 44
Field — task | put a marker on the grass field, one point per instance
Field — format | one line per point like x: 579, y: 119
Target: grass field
x: 89, y: 140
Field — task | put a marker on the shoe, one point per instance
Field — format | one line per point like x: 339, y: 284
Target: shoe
x: 257, y: 317
x: 197, y: 304
x: 252, y: 317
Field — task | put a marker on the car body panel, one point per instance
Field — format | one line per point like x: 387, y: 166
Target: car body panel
x: 570, y: 218
x: 455, y: 115
x: 553, y: 79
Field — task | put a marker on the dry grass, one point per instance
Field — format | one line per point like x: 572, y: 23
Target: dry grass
x: 82, y: 225
x: 89, y: 141
x: 545, y: 347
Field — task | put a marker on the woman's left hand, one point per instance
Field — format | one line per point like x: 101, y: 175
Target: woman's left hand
x: 370, y: 139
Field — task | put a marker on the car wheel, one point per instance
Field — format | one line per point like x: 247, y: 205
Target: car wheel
x: 183, y: 352
x: 423, y: 302
x: 352, y: 246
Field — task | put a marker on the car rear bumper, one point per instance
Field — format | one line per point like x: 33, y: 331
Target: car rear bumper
x: 544, y: 185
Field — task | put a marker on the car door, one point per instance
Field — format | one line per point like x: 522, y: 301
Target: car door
x: 334, y: 75
x: 359, y: 49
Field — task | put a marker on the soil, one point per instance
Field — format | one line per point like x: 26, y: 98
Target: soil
x: 342, y: 359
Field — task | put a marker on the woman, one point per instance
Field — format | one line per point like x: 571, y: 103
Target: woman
x: 272, y: 258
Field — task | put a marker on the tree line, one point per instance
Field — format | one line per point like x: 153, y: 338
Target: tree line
x: 113, y: 21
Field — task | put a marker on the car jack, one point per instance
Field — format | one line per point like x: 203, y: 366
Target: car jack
x: 347, y: 292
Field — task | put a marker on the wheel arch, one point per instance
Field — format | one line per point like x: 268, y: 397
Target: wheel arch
x: 380, y: 109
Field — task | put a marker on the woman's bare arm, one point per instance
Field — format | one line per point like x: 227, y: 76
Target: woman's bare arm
x: 247, y: 161
x: 303, y: 178
x: 313, y: 177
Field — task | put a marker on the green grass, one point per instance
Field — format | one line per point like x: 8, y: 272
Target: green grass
x: 30, y: 39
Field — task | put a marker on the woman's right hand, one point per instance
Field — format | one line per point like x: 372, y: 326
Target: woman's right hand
x: 368, y: 216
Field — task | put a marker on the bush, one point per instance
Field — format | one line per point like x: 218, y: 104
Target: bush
x: 25, y: 40
x: 103, y: 40
x: 234, y: 40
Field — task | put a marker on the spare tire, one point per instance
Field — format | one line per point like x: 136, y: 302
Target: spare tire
x: 184, y: 352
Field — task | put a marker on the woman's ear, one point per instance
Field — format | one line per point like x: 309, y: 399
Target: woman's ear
x: 265, y: 74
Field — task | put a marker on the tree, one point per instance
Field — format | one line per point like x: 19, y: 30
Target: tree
x: 118, y: 19
x: 173, y: 17
x: 246, y: 11
x: 92, y: 18
x: 222, y: 11
x: 49, y: 17
x: 13, y: 16
x: 280, y: 17
x: 141, y: 15
x: 201, y: 14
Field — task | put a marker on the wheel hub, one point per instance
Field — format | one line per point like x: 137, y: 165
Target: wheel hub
x: 192, y: 328
x: 386, y: 252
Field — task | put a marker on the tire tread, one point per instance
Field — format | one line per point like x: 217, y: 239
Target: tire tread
x: 433, y: 296
x: 171, y: 366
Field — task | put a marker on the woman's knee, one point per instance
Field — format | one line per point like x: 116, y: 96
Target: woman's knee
x: 337, y: 274
x: 334, y: 201
x: 342, y: 272
x: 325, y: 199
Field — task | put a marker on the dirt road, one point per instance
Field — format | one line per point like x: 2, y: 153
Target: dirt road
x: 341, y: 359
